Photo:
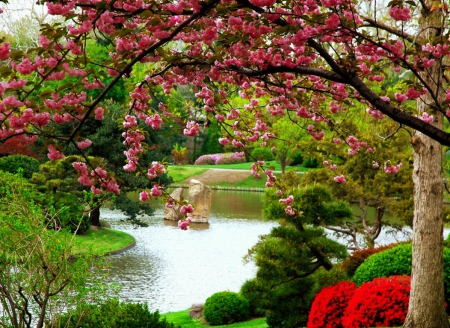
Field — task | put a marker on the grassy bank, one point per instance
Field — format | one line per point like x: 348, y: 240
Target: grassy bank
x: 102, y: 241
x: 181, y: 173
x: 183, y: 319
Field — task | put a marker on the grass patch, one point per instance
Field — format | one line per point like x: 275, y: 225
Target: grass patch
x: 180, y: 173
x: 247, y: 166
x: 101, y: 241
x: 183, y: 319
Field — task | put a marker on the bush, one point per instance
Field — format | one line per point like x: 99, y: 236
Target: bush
x: 262, y: 154
x: 297, y: 159
x: 226, y: 307
x: 381, y: 302
x: 310, y: 162
x: 329, y: 305
x: 254, y: 294
x: 392, y: 262
x: 358, y: 257
x: 226, y: 158
x: 112, y: 314
x: 13, y: 163
x: 396, y: 261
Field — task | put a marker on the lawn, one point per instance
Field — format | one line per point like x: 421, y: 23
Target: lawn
x: 101, y: 241
x: 247, y: 166
x: 183, y: 319
x: 181, y: 173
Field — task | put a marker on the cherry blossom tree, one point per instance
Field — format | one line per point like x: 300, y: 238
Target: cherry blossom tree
x: 302, y: 59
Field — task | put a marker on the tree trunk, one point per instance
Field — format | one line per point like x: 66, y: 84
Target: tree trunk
x: 94, y: 216
x: 426, y: 304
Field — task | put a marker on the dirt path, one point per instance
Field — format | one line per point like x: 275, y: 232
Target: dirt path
x: 218, y: 175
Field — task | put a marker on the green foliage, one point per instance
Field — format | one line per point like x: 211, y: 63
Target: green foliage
x: 211, y: 143
x: 357, y: 257
x: 314, y: 202
x: 112, y: 314
x: 324, y: 278
x: 262, y: 154
x: 253, y: 292
x: 13, y: 163
x: 224, y: 308
x: 394, y: 261
x: 58, y: 180
x: 38, y: 276
x: 290, y: 258
x: 310, y: 162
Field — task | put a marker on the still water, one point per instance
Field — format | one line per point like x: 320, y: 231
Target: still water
x: 171, y: 269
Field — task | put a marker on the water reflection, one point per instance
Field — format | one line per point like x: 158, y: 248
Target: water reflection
x: 172, y: 269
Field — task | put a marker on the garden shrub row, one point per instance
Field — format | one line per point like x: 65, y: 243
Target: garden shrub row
x: 382, y: 302
x: 225, y: 158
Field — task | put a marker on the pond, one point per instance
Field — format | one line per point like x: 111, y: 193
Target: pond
x: 171, y: 269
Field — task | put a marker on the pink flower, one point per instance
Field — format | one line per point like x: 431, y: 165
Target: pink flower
x: 400, y: 14
x: 144, y: 196
x: 96, y: 191
x: 192, y: 129
x: 224, y: 141
x: 186, y: 209
x: 400, y: 97
x: 339, y: 179
x: 289, y: 211
x: 391, y: 169
x: 156, y: 192
x: 375, y: 165
x: 99, y: 113
x: 184, y: 224
x: 54, y: 154
x: 427, y: 118
x: 84, y: 144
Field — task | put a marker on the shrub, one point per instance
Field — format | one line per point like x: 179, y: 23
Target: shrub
x: 254, y: 293
x: 392, y: 262
x: 226, y: 307
x: 310, y: 162
x: 297, y: 159
x: 226, y: 158
x: 112, y: 314
x: 329, y: 305
x: 262, y: 154
x: 381, y: 302
x: 355, y: 259
x: 13, y: 163
x: 396, y: 261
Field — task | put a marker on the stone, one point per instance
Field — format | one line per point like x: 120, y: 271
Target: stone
x: 200, y: 197
x: 196, y: 311
x: 174, y: 214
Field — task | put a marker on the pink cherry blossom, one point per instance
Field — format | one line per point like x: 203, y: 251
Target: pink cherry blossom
x: 391, y: 169
x: 155, y: 191
x: 192, y: 129
x: 339, y: 179
x: 186, y: 209
x: 144, y: 196
x: 54, y: 154
x: 183, y: 225
x: 84, y: 144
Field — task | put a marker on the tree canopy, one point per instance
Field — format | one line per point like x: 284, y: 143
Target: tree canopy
x: 308, y: 60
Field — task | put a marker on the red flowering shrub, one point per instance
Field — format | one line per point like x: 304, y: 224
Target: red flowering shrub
x: 329, y: 305
x: 381, y: 302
